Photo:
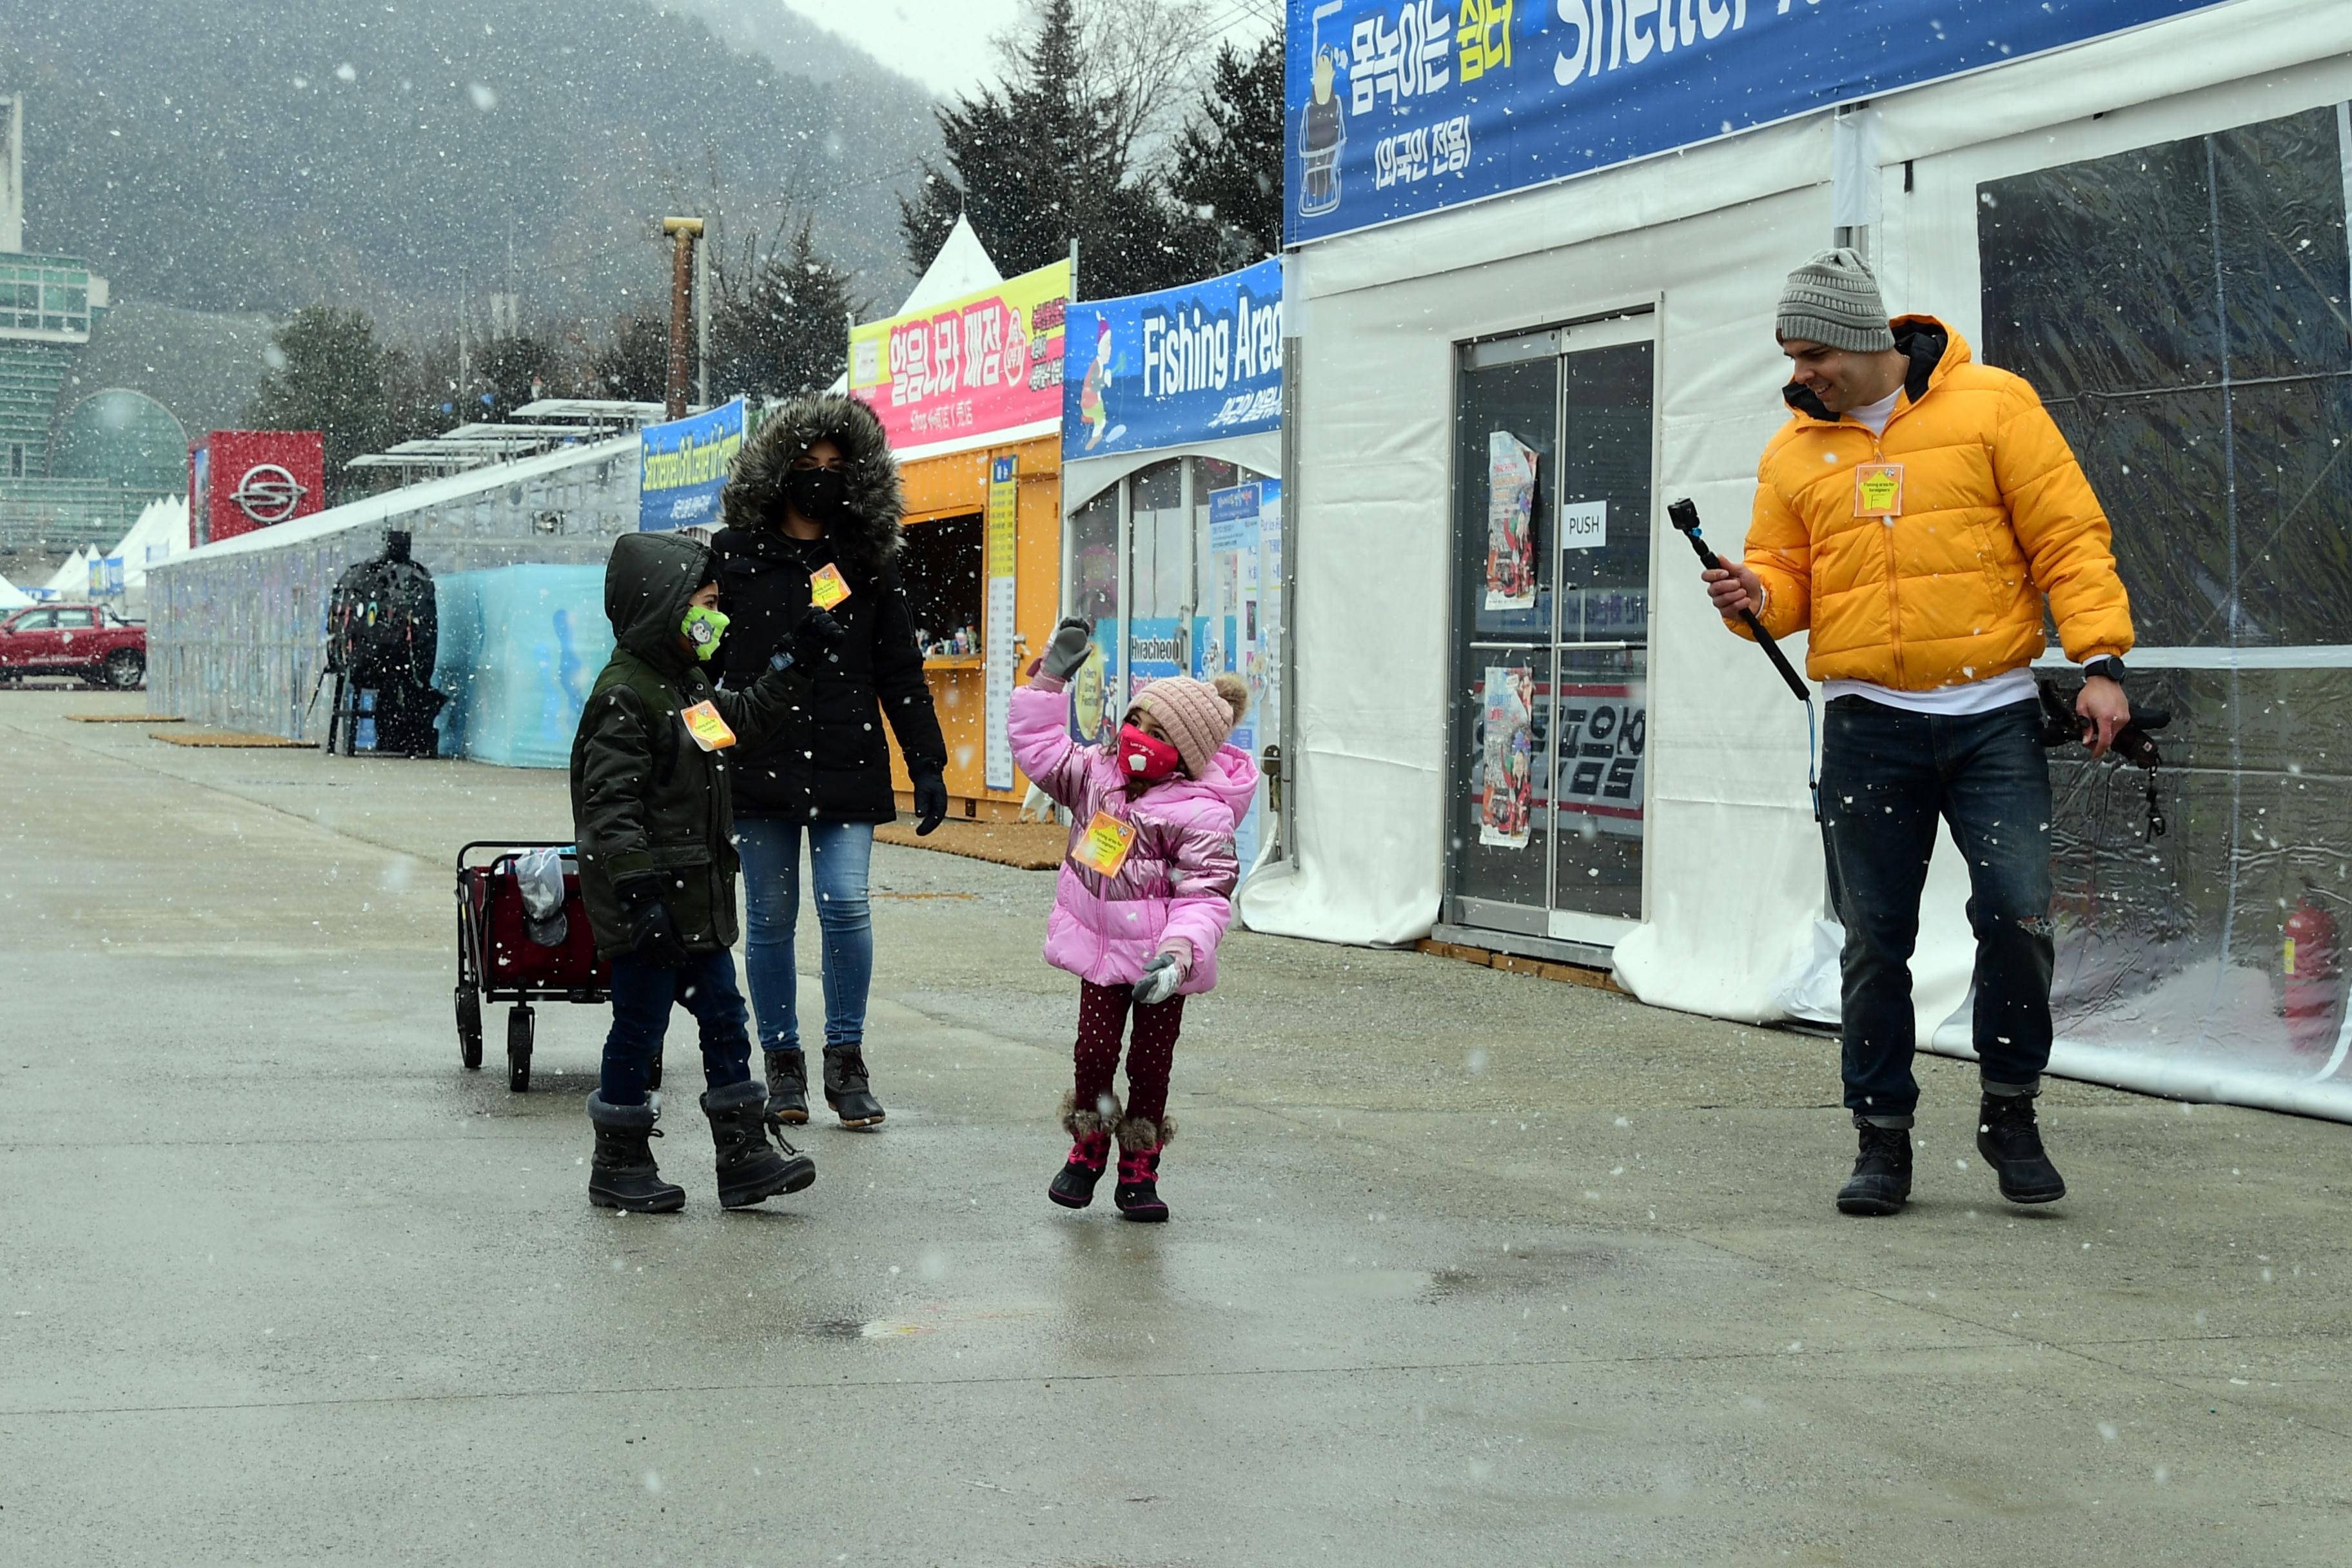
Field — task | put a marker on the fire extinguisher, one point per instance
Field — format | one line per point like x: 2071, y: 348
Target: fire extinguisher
x: 2313, y: 969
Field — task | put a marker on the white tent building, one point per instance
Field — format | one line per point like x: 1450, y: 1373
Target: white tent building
x: 1514, y: 720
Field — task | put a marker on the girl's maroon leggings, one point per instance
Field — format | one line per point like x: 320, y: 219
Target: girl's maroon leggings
x: 1102, y: 1014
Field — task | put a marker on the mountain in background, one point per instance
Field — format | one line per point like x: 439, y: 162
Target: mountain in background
x: 259, y: 156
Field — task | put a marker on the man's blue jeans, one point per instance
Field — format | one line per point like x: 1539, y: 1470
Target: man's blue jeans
x: 1887, y: 776
x: 840, y: 856
x: 643, y: 995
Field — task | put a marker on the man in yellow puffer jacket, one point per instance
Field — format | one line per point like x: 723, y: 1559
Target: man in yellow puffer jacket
x: 1914, y: 516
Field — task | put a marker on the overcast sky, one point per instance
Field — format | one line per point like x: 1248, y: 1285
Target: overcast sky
x: 944, y: 44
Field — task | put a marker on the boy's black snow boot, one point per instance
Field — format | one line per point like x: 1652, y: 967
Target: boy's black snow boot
x: 1138, y: 1192
x: 1880, y: 1183
x: 2011, y: 1142
x: 750, y: 1167
x: 844, y: 1088
x: 787, y: 1088
x: 623, y: 1175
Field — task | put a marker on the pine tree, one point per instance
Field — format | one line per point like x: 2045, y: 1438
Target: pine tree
x: 1229, y: 163
x: 634, y: 365
x: 1038, y: 161
x: 327, y: 374
x: 785, y: 329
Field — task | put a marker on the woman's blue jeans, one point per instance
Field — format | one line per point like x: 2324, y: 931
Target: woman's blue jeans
x: 840, y: 854
x: 1888, y: 777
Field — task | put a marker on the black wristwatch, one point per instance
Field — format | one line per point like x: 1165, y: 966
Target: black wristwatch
x: 2106, y: 664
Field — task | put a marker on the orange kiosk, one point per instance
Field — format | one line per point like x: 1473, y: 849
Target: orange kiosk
x: 970, y: 392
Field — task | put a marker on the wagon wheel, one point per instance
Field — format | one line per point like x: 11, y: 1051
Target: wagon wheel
x: 519, y: 1029
x: 469, y: 1026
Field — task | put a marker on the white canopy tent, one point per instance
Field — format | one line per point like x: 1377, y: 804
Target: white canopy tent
x: 1686, y: 252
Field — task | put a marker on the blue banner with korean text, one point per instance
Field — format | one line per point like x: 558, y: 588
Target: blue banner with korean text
x: 682, y: 466
x: 1396, y: 108
x: 1184, y: 365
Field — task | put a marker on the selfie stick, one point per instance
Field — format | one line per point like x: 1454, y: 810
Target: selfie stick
x: 1685, y: 516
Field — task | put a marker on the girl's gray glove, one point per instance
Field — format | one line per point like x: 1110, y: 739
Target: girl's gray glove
x: 1072, y: 639
x: 1160, y: 978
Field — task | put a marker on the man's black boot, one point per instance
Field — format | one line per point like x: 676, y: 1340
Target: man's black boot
x: 1880, y: 1183
x: 623, y: 1175
x: 844, y: 1088
x: 787, y: 1088
x: 750, y: 1167
x: 2011, y: 1142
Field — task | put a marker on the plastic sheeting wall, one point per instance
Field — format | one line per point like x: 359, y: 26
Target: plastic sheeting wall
x: 236, y: 632
x: 2170, y: 973
x: 521, y: 645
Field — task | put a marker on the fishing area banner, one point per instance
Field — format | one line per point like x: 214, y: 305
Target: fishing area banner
x: 1186, y: 364
x: 682, y: 466
x: 979, y: 369
x: 1395, y: 108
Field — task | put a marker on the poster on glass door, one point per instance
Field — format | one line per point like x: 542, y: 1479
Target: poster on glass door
x: 1603, y: 729
x: 1506, y: 785
x: 1240, y: 632
x: 1511, y: 523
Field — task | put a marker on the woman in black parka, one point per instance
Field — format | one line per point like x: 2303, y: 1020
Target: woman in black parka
x: 818, y: 488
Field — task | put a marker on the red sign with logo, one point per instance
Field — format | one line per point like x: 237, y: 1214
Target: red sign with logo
x: 239, y: 480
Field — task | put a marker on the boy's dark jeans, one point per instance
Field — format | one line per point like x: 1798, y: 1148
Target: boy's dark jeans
x: 1887, y: 776
x: 643, y: 995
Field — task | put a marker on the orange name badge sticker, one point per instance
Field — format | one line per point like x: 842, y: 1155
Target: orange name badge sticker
x: 1103, y: 846
x: 709, y: 729
x: 828, y: 588
x: 1878, y: 490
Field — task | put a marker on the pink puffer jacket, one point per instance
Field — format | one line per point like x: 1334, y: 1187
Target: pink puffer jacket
x: 1178, y: 879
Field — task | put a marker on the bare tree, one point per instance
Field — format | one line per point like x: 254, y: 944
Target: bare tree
x: 1140, y: 62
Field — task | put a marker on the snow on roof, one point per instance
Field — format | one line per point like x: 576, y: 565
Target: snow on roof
x: 375, y: 512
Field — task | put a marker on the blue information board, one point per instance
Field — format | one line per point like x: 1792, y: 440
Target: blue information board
x: 1168, y: 369
x: 682, y: 466
x: 1400, y: 107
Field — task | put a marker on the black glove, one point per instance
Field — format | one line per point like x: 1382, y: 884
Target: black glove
x: 816, y: 640
x: 653, y: 935
x: 931, y: 800
x: 1072, y: 639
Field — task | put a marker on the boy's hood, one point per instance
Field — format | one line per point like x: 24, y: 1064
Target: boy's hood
x: 648, y: 584
x: 753, y: 501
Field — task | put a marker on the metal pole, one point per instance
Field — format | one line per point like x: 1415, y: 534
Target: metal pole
x: 683, y: 232
x: 701, y: 327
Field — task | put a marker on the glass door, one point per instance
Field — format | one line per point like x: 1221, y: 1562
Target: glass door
x: 1552, y: 517
x: 1505, y: 449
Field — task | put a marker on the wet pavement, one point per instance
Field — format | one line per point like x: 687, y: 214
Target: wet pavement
x: 1466, y: 1266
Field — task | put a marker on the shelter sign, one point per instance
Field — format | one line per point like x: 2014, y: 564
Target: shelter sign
x: 998, y: 613
x: 1181, y: 365
x: 682, y: 466
x: 1395, y: 108
x: 977, y: 370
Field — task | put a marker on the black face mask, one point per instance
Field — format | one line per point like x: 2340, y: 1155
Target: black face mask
x: 821, y: 495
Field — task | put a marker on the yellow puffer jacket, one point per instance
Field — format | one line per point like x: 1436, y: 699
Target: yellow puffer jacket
x: 1996, y: 514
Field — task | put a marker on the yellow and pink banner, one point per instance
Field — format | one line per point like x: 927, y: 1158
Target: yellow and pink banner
x: 984, y: 368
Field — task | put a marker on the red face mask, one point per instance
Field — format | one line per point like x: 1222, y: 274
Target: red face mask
x: 1145, y: 756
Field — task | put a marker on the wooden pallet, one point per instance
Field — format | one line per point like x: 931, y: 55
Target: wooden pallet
x: 1542, y: 969
x: 231, y: 739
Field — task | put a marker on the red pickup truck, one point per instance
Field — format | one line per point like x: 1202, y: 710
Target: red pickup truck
x: 89, y: 641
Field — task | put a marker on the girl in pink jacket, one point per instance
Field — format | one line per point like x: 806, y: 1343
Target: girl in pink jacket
x: 1145, y: 895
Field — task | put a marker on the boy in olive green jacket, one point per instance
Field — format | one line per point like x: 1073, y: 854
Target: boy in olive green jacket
x: 655, y: 824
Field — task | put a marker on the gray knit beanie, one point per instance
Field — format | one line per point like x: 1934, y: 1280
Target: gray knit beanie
x: 1833, y: 300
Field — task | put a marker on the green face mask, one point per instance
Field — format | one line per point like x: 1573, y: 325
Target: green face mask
x: 703, y: 628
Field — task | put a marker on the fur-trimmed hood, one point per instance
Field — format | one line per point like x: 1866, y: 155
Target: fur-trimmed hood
x: 753, y: 501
